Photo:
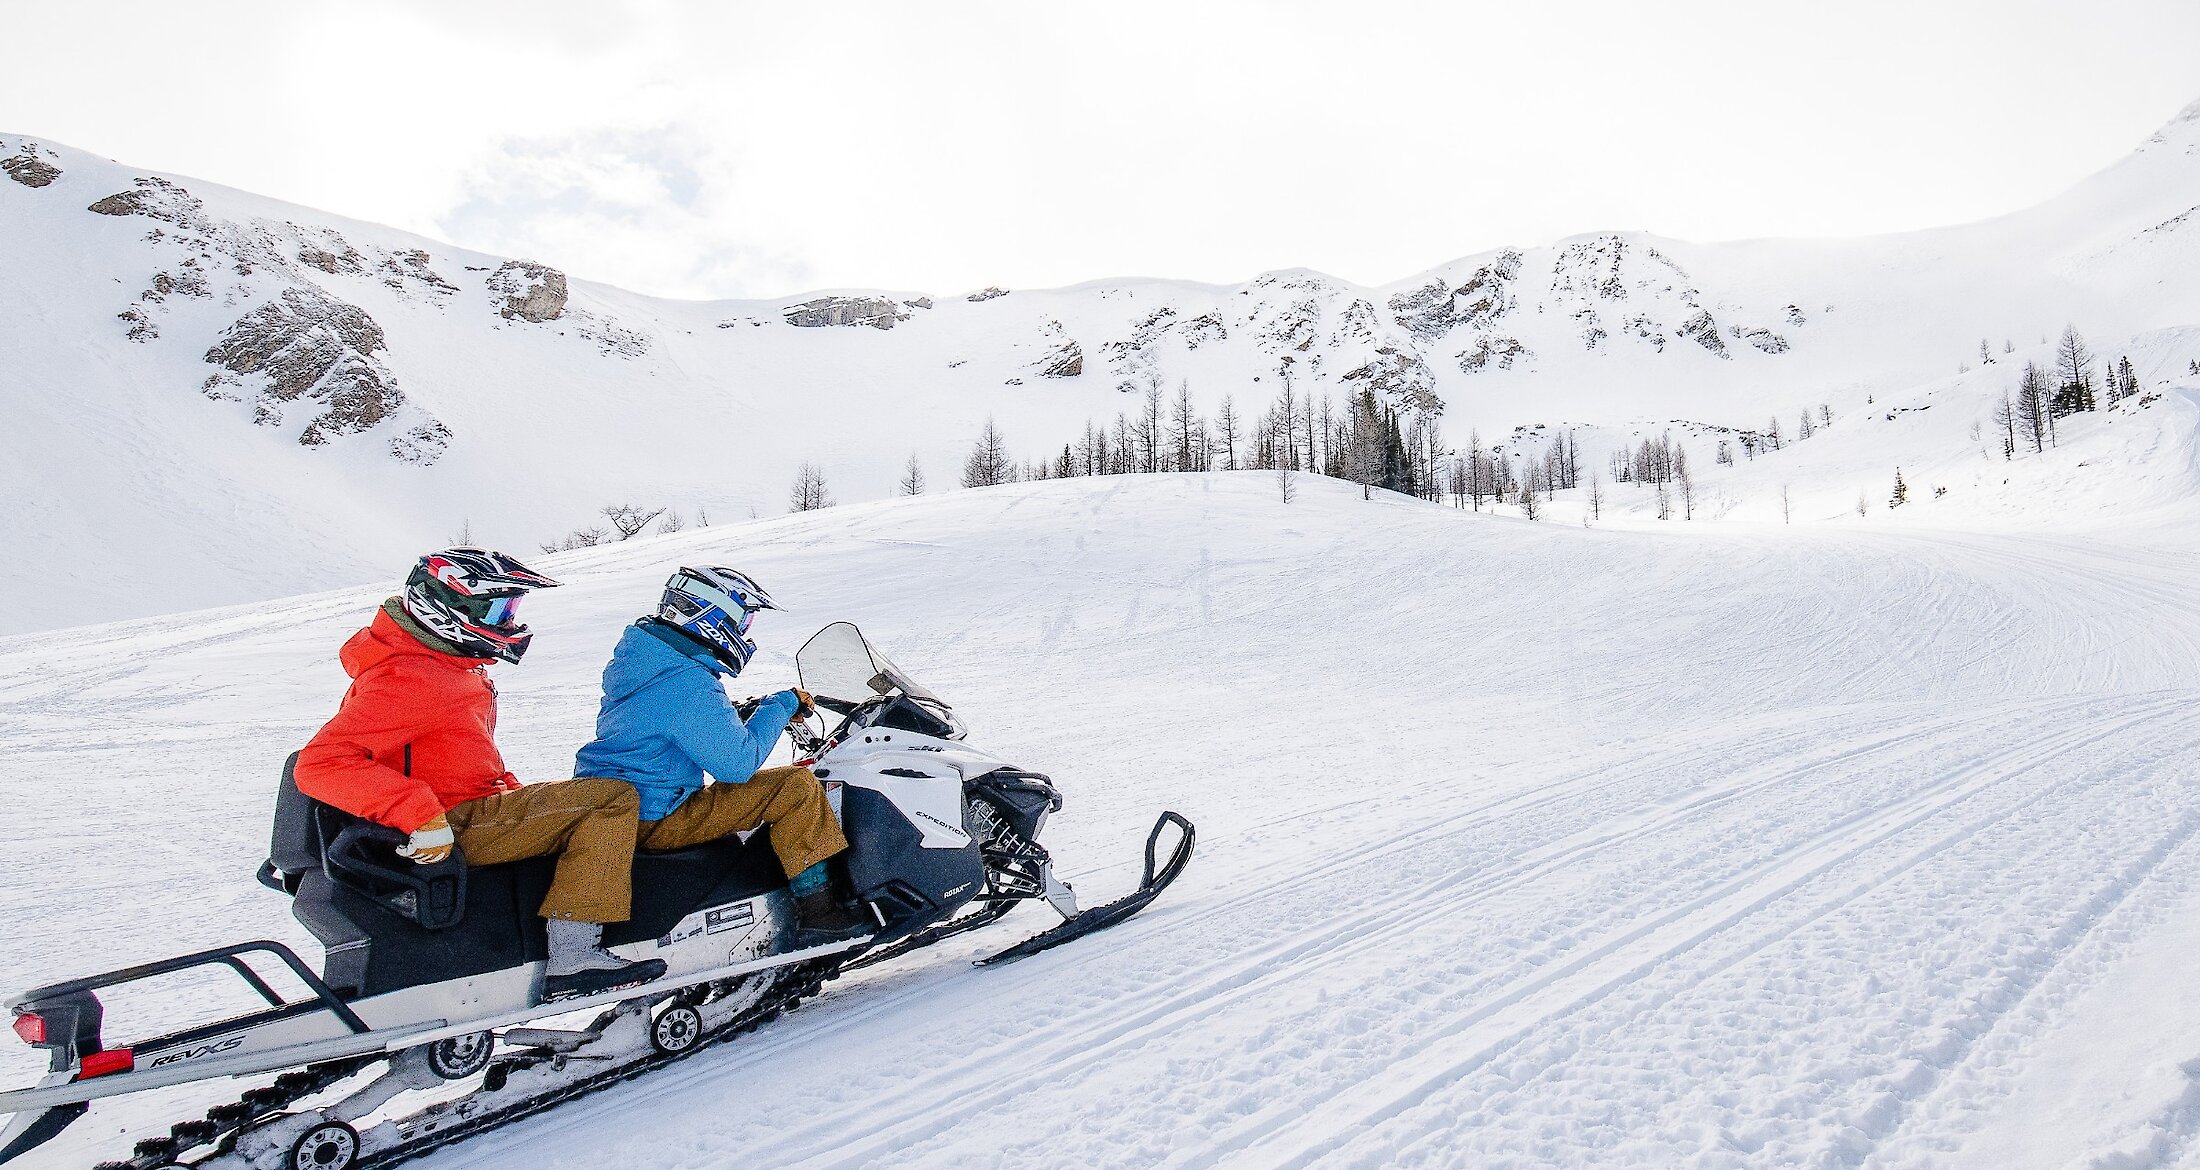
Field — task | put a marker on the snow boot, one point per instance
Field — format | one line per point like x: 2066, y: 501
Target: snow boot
x: 580, y: 966
x: 821, y: 918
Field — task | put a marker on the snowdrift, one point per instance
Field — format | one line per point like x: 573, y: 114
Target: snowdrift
x: 1640, y: 844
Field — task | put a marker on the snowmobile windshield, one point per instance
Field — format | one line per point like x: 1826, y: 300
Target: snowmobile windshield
x: 839, y: 663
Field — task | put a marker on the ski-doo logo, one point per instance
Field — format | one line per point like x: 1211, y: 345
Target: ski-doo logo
x: 182, y: 1054
x: 957, y: 890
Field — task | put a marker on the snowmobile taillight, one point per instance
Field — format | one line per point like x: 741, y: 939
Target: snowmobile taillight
x: 31, y: 1027
x: 100, y: 1064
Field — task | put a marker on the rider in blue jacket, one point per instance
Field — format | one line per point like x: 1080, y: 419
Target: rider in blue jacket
x: 665, y: 722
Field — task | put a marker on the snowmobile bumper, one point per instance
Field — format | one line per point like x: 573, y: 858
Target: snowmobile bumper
x: 1098, y: 918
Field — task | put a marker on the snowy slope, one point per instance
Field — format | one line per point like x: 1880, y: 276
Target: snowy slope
x: 447, y: 392
x: 1522, y: 845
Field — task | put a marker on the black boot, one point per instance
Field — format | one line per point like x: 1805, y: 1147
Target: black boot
x: 822, y: 919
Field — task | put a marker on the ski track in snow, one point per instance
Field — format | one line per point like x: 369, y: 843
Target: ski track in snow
x: 1576, y: 849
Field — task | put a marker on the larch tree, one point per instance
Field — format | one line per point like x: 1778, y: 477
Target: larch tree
x: 912, y: 473
x: 988, y: 463
x: 809, y: 493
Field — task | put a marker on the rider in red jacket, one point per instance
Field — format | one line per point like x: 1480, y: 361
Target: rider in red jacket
x: 414, y: 747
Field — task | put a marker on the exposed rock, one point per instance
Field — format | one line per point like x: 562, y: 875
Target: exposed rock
x: 919, y: 303
x: 30, y: 170
x: 1493, y: 348
x: 1764, y: 339
x: 412, y: 264
x: 157, y: 198
x: 825, y: 312
x: 986, y: 294
x: 1425, y: 312
x: 332, y: 254
x: 1487, y: 295
x: 1063, y: 361
x: 141, y: 327
x: 422, y: 444
x: 307, y: 346
x: 1401, y: 378
x: 527, y: 291
x: 1706, y: 333
x: 1203, y: 329
x: 1795, y: 316
x: 1592, y: 327
x: 1647, y: 330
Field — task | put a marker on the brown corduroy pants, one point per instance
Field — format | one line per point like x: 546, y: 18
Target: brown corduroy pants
x: 790, y: 800
x: 590, y: 824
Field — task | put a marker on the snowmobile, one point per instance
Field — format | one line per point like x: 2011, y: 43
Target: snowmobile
x: 424, y: 1025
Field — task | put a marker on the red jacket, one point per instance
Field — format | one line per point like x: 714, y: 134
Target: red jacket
x: 415, y: 735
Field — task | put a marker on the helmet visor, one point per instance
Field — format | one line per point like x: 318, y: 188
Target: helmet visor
x: 497, y: 613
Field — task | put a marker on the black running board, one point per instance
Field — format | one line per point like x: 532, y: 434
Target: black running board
x: 1100, y: 918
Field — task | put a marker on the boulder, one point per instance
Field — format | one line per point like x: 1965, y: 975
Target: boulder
x: 30, y: 171
x: 526, y: 291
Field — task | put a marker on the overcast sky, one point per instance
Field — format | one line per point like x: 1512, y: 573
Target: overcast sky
x: 734, y: 149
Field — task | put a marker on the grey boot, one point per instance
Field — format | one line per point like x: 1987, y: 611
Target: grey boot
x: 580, y: 966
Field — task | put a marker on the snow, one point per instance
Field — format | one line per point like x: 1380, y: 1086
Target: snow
x: 1860, y: 843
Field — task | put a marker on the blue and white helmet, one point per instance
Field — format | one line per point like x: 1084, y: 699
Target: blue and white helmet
x: 714, y: 605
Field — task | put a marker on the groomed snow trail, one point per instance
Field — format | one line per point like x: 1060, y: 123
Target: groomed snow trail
x: 1521, y: 845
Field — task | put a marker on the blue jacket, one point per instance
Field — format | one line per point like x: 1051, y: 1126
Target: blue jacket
x: 665, y: 721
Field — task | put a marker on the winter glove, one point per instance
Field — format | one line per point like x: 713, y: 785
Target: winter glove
x: 429, y: 843
x: 803, y: 708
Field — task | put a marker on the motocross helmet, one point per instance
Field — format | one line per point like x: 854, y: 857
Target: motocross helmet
x: 714, y: 606
x: 469, y: 597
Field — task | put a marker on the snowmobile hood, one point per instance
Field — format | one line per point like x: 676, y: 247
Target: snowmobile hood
x: 647, y: 652
x: 383, y: 639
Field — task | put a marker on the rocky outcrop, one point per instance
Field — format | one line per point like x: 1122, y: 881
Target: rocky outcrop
x: 838, y: 312
x: 308, y: 347
x: 1400, y: 378
x: 1492, y: 349
x: 986, y: 294
x: 1063, y: 361
x: 157, y: 198
x: 1424, y: 312
x: 527, y: 291
x: 1705, y: 331
x: 30, y: 170
x: 1764, y: 339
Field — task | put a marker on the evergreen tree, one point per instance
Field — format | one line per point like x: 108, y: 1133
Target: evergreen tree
x: 1901, y: 494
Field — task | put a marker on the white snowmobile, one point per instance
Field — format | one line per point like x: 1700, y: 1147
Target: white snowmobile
x: 431, y: 976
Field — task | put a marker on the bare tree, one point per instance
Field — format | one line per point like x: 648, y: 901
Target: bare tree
x: 2074, y: 368
x: 1787, y: 506
x: 578, y: 538
x: 1772, y: 432
x: 1863, y: 504
x: 628, y: 520
x: 2035, y: 415
x: 1285, y: 484
x: 672, y: 523
x: 2005, y: 421
x: 1687, y: 482
x: 1530, y: 498
x: 1596, y: 495
x: 912, y: 472
x: 1226, y: 429
x: 702, y: 516
x: 988, y: 463
x: 808, y: 493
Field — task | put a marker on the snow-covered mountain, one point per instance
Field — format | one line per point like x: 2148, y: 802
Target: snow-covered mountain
x: 239, y: 398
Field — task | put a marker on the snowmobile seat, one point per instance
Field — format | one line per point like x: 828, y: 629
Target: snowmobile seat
x: 356, y: 852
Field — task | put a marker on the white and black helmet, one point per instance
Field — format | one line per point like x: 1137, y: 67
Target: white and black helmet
x: 714, y: 605
x: 469, y: 597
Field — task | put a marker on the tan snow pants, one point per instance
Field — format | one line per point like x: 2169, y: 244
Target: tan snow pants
x: 790, y: 800
x: 590, y: 824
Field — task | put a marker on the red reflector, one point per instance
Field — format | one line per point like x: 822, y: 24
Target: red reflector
x: 31, y: 1027
x: 99, y: 1064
